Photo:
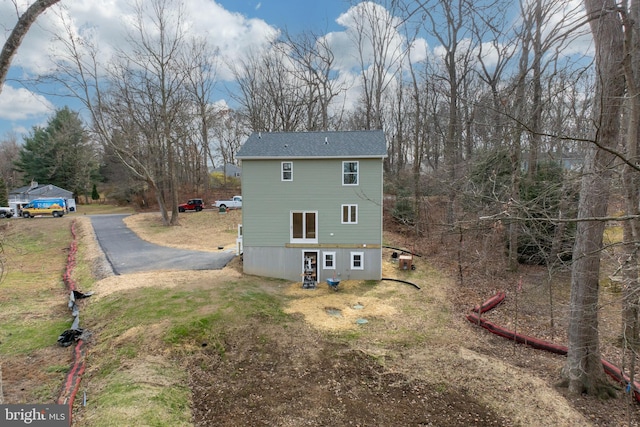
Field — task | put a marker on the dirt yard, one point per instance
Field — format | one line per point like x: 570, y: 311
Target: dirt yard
x: 383, y: 354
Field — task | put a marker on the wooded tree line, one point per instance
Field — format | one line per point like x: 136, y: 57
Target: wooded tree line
x: 489, y: 85
x: 480, y: 101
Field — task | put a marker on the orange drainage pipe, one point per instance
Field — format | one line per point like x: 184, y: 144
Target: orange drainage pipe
x: 74, y: 376
x: 611, y: 370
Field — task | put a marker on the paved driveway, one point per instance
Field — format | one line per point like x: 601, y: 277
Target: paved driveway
x: 128, y: 253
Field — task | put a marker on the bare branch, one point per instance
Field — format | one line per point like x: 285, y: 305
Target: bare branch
x: 18, y: 33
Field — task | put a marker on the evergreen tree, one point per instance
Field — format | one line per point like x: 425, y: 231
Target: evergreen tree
x: 60, y: 154
x: 94, y: 193
x: 35, y: 159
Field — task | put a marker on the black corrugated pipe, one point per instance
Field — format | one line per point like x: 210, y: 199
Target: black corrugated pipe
x: 401, y: 281
x: 402, y: 250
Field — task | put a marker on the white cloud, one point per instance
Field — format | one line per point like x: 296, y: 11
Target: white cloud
x: 110, y: 21
x: 361, y: 22
x: 21, y: 104
x: 231, y: 32
x: 20, y: 130
x: 419, y: 50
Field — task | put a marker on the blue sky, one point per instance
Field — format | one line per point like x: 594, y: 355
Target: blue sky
x: 295, y: 16
x: 243, y: 22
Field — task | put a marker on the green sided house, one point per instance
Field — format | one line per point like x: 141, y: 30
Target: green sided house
x: 312, y: 205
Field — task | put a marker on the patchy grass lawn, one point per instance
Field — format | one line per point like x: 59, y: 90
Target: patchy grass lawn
x: 33, y: 309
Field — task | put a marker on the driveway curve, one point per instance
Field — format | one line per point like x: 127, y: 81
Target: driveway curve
x: 128, y: 253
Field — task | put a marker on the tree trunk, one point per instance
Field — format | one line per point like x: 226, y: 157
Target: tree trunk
x: 631, y: 289
x: 173, y: 186
x: 163, y: 208
x: 536, y: 116
x: 583, y: 370
x: 514, y: 226
x: 630, y: 298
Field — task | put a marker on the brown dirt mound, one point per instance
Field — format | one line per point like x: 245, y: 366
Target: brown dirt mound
x: 301, y: 379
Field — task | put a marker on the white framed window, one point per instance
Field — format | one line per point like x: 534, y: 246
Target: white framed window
x: 286, y: 169
x: 349, y: 214
x: 350, y: 173
x: 304, y: 227
x: 329, y: 260
x: 357, y: 260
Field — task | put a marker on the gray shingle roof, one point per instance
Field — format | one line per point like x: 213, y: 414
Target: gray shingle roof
x: 42, y: 190
x: 337, y: 144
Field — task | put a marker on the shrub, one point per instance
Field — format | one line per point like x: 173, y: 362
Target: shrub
x: 404, y: 211
x: 549, y: 194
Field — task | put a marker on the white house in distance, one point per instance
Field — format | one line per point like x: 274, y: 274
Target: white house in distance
x: 313, y: 201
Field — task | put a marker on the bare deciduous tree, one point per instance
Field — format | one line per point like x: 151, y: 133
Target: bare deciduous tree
x: 200, y: 68
x: 314, y: 63
x: 150, y: 84
x: 380, y: 53
x: 229, y: 131
x: 583, y: 370
x: 9, y: 153
x: 146, y: 104
x: 631, y: 181
x: 270, y: 95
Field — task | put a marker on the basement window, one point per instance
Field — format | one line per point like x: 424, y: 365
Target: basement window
x: 357, y: 260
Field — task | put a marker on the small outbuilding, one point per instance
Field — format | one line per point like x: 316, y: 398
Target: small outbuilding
x: 23, y: 195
